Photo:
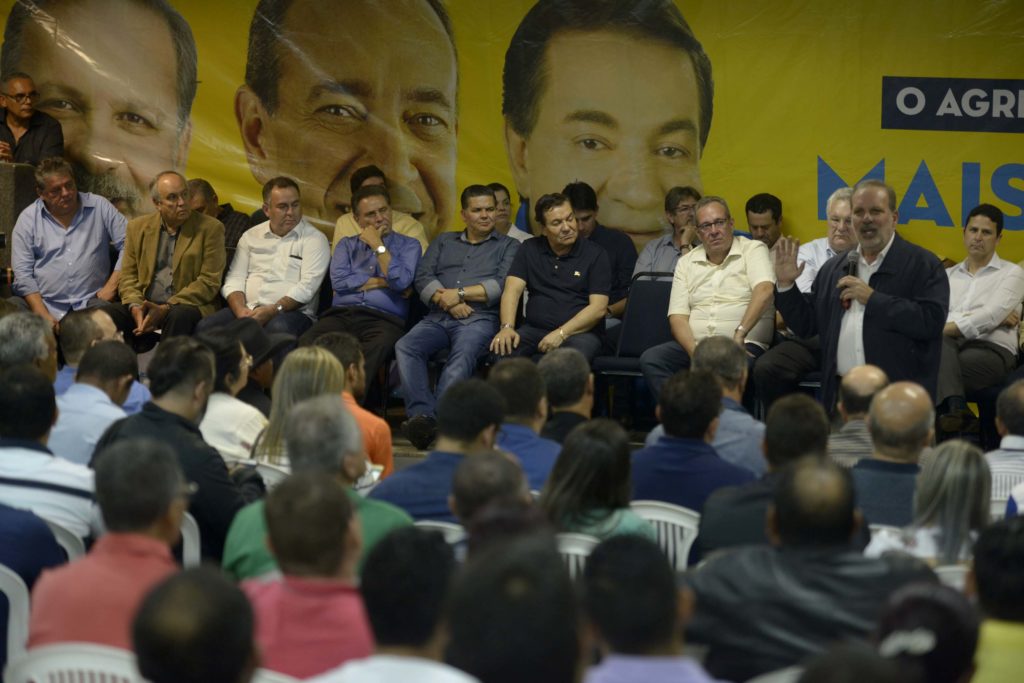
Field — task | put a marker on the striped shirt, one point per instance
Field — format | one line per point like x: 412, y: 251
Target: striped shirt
x: 850, y: 444
x: 1007, y: 466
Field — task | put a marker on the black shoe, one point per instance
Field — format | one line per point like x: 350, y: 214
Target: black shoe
x: 421, y: 431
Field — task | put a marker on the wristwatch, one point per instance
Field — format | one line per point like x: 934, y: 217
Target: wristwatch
x: 741, y: 329
x: 280, y: 308
x: 462, y: 295
x: 382, y: 249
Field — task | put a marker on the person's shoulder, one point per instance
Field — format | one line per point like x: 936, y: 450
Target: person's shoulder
x: 616, y: 238
x: 382, y: 511
x: 204, y: 223
x: 908, y: 249
x: 148, y: 221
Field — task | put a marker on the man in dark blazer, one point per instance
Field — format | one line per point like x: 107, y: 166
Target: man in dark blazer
x: 883, y: 303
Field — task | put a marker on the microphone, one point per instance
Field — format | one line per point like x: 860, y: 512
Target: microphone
x: 852, y: 261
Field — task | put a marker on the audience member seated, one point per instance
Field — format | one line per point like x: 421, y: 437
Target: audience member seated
x: 931, y: 631
x: 762, y: 608
x: 404, y: 585
x: 764, y: 218
x: 59, y: 491
x: 521, y: 385
x: 94, y: 401
x: 722, y: 288
x: 26, y: 339
x: 305, y: 373
x: 1007, y: 461
x: 372, y: 274
x: 263, y: 348
x: 459, y: 280
x: 739, y: 436
x: 512, y: 615
x: 979, y: 341
x: 469, y: 415
x: 402, y: 223
x: 195, y: 627
x: 503, y: 214
x: 167, y: 283
x: 142, y: 495
x: 901, y: 421
x: 997, y: 581
x: 661, y: 255
x: 682, y: 468
x: 181, y: 376
x: 570, y: 390
x: 62, y: 221
x: 779, y: 371
x: 735, y: 515
x: 951, y: 505
x: 278, y: 267
x: 27, y: 135
x: 566, y: 303
x: 228, y: 424
x: 895, y: 322
x: 79, y: 330
x: 852, y: 443
x: 324, y: 440
x: 589, y: 489
x: 312, y: 618
x: 638, y: 614
x: 202, y: 198
x: 376, y: 432
x: 616, y: 244
x: 483, y: 479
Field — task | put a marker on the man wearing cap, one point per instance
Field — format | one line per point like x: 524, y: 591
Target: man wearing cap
x: 263, y: 348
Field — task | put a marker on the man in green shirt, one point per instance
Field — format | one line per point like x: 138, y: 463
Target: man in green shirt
x: 321, y: 437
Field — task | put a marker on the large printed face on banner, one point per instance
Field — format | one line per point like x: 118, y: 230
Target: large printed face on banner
x: 619, y: 114
x: 358, y: 83
x: 109, y: 73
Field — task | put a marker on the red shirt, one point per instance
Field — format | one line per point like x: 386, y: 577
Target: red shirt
x: 94, y: 598
x: 306, y: 626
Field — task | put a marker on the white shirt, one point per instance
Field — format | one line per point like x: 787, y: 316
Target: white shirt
x: 267, y: 267
x: 84, y: 413
x: 813, y: 255
x: 231, y: 426
x: 31, y: 478
x: 392, y: 668
x: 1007, y: 466
x: 850, y: 349
x: 715, y: 297
x: 979, y: 303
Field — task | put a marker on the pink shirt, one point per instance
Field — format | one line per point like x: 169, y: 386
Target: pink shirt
x: 306, y: 626
x: 94, y: 598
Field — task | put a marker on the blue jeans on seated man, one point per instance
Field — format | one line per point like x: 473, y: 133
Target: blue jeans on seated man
x: 660, y: 362
x: 466, y: 340
x: 286, y: 322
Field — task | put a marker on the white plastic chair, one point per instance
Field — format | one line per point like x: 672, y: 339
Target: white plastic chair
x: 997, y: 508
x: 952, y: 575
x: 272, y: 474
x: 453, y: 533
x: 885, y: 528
x: 73, y: 545
x: 12, y: 586
x: 267, y: 676
x: 73, y: 663
x: 791, y: 674
x: 190, y: 546
x: 575, y: 549
x: 675, y: 527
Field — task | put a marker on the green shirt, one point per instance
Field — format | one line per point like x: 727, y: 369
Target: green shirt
x: 604, y: 523
x: 245, y: 552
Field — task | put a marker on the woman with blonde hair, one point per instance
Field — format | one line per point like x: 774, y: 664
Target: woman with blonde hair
x: 951, y: 506
x: 307, y: 372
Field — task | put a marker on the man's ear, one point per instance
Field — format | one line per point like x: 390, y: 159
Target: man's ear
x: 489, y: 435
x: 686, y: 602
x: 515, y: 148
x: 1001, y: 429
x: 452, y: 507
x: 252, y: 117
x: 709, y: 435
x: 590, y: 385
x: 858, y: 523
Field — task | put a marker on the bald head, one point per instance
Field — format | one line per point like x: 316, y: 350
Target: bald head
x: 901, y: 421
x: 814, y: 505
x: 857, y: 389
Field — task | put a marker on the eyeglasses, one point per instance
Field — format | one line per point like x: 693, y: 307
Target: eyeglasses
x: 23, y: 96
x: 684, y: 209
x: 717, y: 223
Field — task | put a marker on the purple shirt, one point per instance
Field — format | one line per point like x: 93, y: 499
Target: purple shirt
x: 617, y: 668
x: 354, y: 263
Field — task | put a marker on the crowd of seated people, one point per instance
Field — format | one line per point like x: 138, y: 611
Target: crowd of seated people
x: 270, y: 353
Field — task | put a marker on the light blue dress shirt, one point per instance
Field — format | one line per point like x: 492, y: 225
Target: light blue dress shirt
x: 85, y: 412
x: 138, y: 395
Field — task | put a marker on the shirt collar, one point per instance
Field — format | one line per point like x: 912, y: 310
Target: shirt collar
x: 572, y: 252
x: 25, y: 444
x: 995, y: 263
x: 464, y: 236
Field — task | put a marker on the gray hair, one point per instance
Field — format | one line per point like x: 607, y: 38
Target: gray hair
x: 320, y: 433
x: 23, y: 338
x: 711, y: 199
x: 565, y: 372
x: 953, y: 492
x: 154, y: 191
x: 137, y: 480
x: 903, y: 441
x: 723, y: 358
x: 877, y: 184
x: 843, y: 194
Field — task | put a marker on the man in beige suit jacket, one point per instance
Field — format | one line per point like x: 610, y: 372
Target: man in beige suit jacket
x: 172, y: 266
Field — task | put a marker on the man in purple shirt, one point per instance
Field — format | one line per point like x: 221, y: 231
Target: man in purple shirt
x: 372, y: 275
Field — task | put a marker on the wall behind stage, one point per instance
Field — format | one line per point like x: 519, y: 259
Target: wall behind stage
x: 808, y: 96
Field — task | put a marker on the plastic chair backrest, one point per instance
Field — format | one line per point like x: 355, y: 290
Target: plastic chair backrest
x: 73, y: 545
x: 453, y: 533
x: 997, y: 509
x: 73, y: 663
x: 575, y: 549
x: 952, y: 575
x: 675, y: 527
x: 12, y: 586
x: 272, y: 475
x: 190, y: 545
x: 645, y: 322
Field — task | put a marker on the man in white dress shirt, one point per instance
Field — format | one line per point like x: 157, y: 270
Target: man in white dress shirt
x: 278, y: 266
x: 979, y: 342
